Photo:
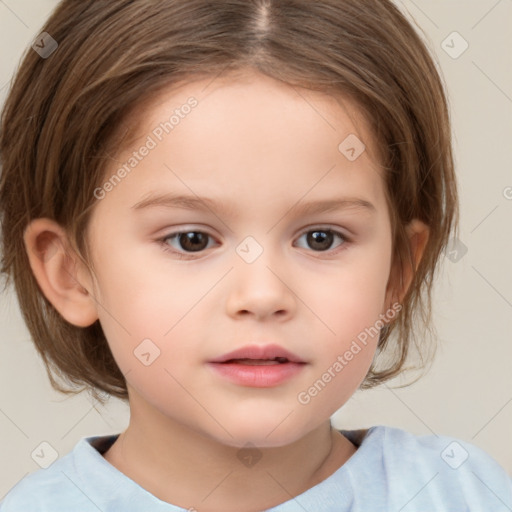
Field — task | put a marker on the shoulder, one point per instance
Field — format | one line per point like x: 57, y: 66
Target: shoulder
x: 437, y: 450
x: 432, y: 471
x: 52, y: 489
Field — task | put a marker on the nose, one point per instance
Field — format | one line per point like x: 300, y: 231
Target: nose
x: 261, y: 290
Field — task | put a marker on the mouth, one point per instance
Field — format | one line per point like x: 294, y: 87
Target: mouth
x: 258, y: 366
x: 259, y: 355
x: 258, y: 362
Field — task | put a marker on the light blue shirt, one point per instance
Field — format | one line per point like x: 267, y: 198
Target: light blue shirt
x: 392, y: 471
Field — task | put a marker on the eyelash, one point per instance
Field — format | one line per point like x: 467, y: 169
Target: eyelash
x: 190, y: 255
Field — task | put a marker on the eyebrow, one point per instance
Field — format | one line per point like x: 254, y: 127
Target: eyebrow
x: 204, y: 203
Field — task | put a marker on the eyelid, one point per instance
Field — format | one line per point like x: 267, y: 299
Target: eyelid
x: 326, y: 227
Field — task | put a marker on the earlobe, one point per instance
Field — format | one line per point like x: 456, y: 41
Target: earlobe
x: 60, y: 273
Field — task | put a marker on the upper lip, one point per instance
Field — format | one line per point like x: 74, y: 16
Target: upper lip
x: 259, y: 352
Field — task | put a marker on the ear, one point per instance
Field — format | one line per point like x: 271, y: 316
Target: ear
x: 61, y: 275
x: 402, y: 273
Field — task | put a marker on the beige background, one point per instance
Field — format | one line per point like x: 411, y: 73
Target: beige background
x: 468, y: 392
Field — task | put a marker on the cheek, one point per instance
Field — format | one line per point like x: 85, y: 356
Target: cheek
x: 352, y: 308
x: 152, y: 317
x: 352, y: 311
x: 353, y: 297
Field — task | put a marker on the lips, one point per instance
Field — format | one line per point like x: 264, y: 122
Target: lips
x: 258, y: 366
x: 259, y: 355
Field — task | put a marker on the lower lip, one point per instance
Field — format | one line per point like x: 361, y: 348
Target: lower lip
x: 257, y: 376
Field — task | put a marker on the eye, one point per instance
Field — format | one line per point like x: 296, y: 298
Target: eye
x: 186, y: 242
x: 321, y: 240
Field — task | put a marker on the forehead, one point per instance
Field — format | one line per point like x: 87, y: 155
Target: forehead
x: 251, y: 95
x: 250, y: 131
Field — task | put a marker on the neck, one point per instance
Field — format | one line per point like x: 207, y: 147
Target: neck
x: 187, y: 469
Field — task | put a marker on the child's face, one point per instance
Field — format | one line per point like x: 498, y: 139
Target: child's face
x: 260, y: 151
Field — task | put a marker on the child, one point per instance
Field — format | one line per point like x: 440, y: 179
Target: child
x: 305, y: 148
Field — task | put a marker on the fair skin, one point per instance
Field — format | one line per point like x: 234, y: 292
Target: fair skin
x: 261, y: 150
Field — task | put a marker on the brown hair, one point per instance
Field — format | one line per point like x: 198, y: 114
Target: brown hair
x: 64, y: 114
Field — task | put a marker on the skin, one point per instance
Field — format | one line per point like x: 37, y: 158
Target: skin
x: 262, y: 148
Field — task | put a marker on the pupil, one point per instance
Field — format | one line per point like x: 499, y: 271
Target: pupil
x: 317, y: 240
x: 190, y: 240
